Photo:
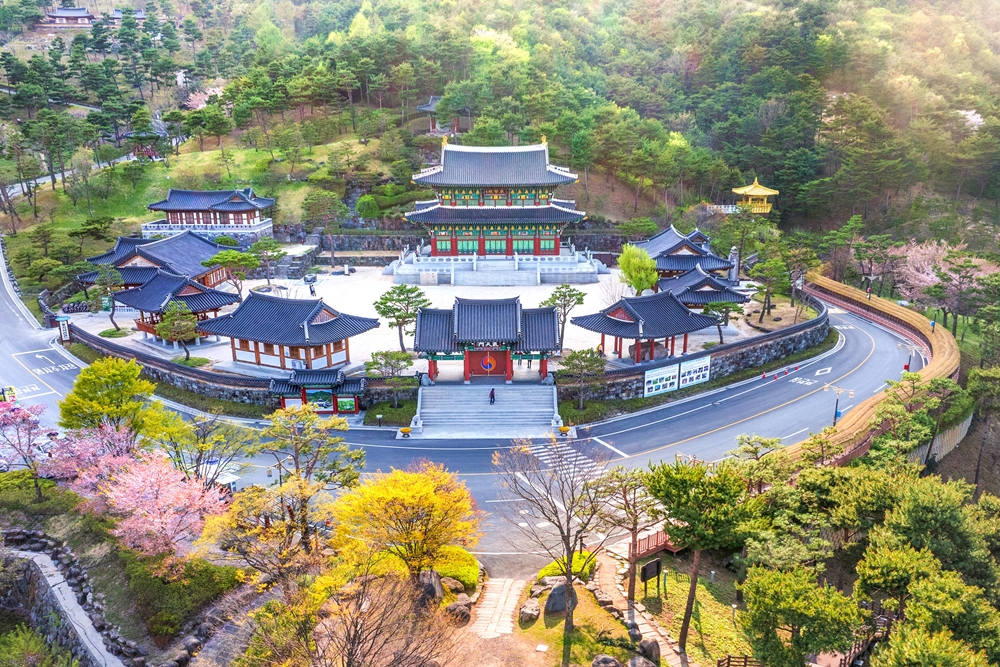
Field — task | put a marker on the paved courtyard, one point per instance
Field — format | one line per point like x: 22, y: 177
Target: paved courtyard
x: 356, y: 294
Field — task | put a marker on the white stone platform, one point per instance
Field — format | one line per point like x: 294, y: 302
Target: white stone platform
x: 570, y: 266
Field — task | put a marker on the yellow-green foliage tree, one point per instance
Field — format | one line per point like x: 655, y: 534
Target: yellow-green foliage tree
x: 109, y: 392
x: 638, y: 268
x: 411, y: 514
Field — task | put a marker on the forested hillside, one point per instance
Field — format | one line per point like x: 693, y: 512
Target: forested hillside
x: 849, y: 107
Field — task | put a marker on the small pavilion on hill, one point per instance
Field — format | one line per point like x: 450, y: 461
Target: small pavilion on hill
x: 290, y: 334
x: 676, y: 253
x: 164, y: 288
x: 487, y: 335
x: 645, y: 319
x: 697, y: 288
x: 754, y: 197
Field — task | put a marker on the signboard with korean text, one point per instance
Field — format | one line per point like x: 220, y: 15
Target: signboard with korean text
x: 660, y: 381
x: 696, y: 371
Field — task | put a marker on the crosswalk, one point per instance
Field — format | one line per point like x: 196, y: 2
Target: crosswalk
x: 566, y: 461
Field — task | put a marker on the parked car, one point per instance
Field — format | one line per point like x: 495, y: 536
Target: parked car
x: 309, y: 278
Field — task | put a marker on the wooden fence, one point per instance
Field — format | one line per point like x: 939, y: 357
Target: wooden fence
x: 738, y: 661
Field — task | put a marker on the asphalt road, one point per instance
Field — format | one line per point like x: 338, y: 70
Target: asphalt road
x: 703, y: 426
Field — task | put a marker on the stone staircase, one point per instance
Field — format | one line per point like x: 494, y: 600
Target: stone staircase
x: 464, y: 411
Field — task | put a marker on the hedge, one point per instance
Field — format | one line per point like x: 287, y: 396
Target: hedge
x: 385, y: 202
x: 457, y: 563
x: 583, y: 566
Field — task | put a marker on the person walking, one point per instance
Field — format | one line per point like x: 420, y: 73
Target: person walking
x: 493, y: 396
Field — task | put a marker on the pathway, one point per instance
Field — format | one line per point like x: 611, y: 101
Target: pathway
x: 605, y: 578
x: 72, y: 610
x: 496, y: 608
x: 231, y: 640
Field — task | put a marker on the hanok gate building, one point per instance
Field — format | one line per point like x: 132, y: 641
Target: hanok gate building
x: 495, y: 220
x: 487, y: 335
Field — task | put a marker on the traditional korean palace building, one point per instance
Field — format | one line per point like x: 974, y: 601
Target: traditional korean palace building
x: 212, y: 213
x: 697, y: 287
x: 645, y: 319
x: 156, y: 294
x: 139, y: 260
x: 495, y: 220
x: 487, y: 336
x: 328, y: 391
x: 676, y: 253
x: 81, y: 17
x: 288, y: 334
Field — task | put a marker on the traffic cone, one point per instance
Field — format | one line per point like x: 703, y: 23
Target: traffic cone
x: 786, y: 371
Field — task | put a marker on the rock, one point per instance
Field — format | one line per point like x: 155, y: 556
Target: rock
x: 602, y: 598
x: 537, y: 590
x: 453, y: 585
x: 605, y: 661
x: 634, y: 634
x: 639, y: 661
x: 139, y: 662
x: 529, y: 611
x: 191, y: 643
x: 458, y: 613
x: 205, y: 630
x: 591, y: 586
x: 650, y: 649
x: 180, y: 657
x: 430, y: 586
x: 552, y: 581
x: 464, y: 600
x: 168, y: 663
x: 556, y: 601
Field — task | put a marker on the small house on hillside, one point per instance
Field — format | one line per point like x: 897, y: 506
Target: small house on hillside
x: 212, y: 213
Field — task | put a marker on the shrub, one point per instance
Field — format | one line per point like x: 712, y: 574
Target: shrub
x: 17, y: 497
x: 165, y: 603
x: 582, y: 567
x: 193, y: 362
x: 388, y: 201
x: 226, y: 240
x: 26, y: 646
x: 457, y: 563
x: 115, y: 333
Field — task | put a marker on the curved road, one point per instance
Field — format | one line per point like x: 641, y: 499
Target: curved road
x: 704, y: 426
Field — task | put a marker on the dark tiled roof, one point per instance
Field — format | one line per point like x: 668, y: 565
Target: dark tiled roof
x: 666, y: 240
x: 70, y: 13
x: 477, y: 166
x: 494, y: 214
x: 698, y: 236
x: 341, y: 386
x: 139, y: 14
x: 272, y: 319
x: 124, y: 247
x: 690, y: 288
x: 212, y: 200
x: 645, y: 317
x: 324, y: 376
x: 131, y: 275
x: 431, y: 105
x: 164, y: 287
x: 688, y: 262
x: 182, y: 253
x: 472, y: 321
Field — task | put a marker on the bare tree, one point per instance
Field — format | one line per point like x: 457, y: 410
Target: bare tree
x: 613, y: 291
x: 555, y: 488
x: 382, y: 622
x: 630, y: 508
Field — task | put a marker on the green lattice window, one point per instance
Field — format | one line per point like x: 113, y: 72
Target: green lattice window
x: 444, y: 245
x: 524, y: 246
x: 468, y: 247
x: 548, y: 245
x: 496, y: 246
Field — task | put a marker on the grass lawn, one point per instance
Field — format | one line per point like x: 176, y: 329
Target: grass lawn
x: 115, y: 333
x: 183, y: 396
x: 391, y: 416
x: 193, y: 362
x: 713, y: 634
x: 592, y: 624
x: 32, y: 304
x: 594, y: 410
x: 782, y: 308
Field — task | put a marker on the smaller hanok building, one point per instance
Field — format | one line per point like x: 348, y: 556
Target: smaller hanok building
x: 138, y: 260
x: 327, y: 391
x: 645, y: 320
x: 676, y: 253
x: 212, y: 213
x: 81, y: 17
x: 154, y: 297
x: 288, y: 334
x: 436, y: 127
x: 754, y: 197
x: 697, y: 288
x: 487, y: 336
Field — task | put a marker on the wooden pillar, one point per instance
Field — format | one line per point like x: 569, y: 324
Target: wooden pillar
x: 347, y: 351
x: 638, y: 350
x: 673, y: 345
x: 543, y: 367
x: 509, y: 372
x: 652, y: 349
x: 685, y: 350
x: 618, y: 346
x: 602, y: 343
x: 232, y: 345
x: 538, y: 244
x: 281, y: 356
x: 256, y: 352
x: 482, y: 244
x: 454, y: 244
x: 329, y: 354
x: 467, y: 369
x: 432, y: 368
x: 510, y: 245
x: 308, y: 351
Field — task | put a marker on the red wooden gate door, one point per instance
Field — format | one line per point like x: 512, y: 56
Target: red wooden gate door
x: 492, y: 363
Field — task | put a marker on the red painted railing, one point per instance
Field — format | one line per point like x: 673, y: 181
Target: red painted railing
x: 658, y: 541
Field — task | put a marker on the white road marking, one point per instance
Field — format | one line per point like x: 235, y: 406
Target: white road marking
x: 614, y: 449
x: 796, y: 433
x: 824, y: 371
x: 543, y: 524
x: 882, y: 386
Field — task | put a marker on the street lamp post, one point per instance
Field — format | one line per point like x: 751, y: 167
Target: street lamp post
x: 838, y: 391
x: 912, y: 348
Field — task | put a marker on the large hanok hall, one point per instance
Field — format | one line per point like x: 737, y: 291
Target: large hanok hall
x: 487, y: 336
x: 645, y: 320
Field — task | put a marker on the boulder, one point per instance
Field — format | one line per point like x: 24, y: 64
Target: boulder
x: 634, y: 634
x: 530, y: 611
x: 602, y: 598
x: 191, y: 643
x: 464, y: 600
x: 605, y: 661
x: 537, y: 590
x: 552, y: 581
x: 180, y: 657
x: 639, y: 661
x: 458, y: 613
x: 650, y: 649
x: 139, y: 662
x: 430, y: 586
x: 453, y: 585
x: 556, y: 602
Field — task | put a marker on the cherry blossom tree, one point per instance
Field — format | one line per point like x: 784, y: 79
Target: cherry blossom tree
x: 21, y: 433
x: 918, y: 271
x: 161, y: 509
x: 86, y: 459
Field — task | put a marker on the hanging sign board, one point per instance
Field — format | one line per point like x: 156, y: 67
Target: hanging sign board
x: 660, y: 381
x: 696, y: 371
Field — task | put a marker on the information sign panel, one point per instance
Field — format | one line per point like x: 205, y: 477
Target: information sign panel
x: 696, y: 371
x: 660, y: 381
